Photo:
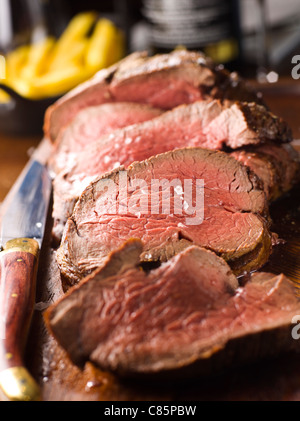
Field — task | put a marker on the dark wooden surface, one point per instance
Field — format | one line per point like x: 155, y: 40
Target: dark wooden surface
x: 14, y: 153
x: 277, y: 379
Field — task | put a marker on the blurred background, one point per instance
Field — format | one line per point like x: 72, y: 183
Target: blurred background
x: 50, y: 46
x: 267, y: 32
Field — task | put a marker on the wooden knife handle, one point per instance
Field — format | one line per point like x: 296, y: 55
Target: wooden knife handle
x: 18, y: 265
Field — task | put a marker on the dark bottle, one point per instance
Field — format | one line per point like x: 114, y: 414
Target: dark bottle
x: 211, y: 26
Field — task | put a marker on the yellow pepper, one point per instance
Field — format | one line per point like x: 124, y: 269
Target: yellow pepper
x: 74, y: 55
x: 76, y: 31
x: 37, y: 58
x: 15, y: 61
x: 101, y: 45
x: 52, y: 67
x: 52, y: 84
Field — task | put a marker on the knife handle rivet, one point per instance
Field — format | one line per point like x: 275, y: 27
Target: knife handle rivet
x: 9, y: 356
x: 14, y: 295
x: 20, y: 260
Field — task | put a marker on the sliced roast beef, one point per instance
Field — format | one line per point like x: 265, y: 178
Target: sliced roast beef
x: 163, y: 202
x: 265, y: 169
x: 276, y: 165
x: 92, y: 123
x: 287, y: 161
x: 91, y: 93
x: 163, y: 81
x: 184, y: 317
x: 207, y: 124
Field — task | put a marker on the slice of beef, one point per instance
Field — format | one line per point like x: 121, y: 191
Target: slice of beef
x: 287, y: 161
x: 265, y: 169
x: 163, y: 81
x: 92, y: 123
x: 231, y: 221
x: 187, y: 316
x: 90, y: 93
x: 207, y: 124
x: 276, y: 165
x: 79, y: 303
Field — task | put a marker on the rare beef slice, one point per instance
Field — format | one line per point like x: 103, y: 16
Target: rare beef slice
x: 188, y: 316
x: 162, y: 81
x: 277, y: 166
x: 187, y: 197
x: 92, y: 123
x: 207, y: 124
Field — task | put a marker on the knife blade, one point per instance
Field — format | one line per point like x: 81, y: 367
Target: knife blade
x: 23, y: 225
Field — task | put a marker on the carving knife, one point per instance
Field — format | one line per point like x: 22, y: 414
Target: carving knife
x: 23, y: 224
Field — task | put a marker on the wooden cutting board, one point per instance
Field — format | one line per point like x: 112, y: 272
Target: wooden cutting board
x: 276, y: 379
